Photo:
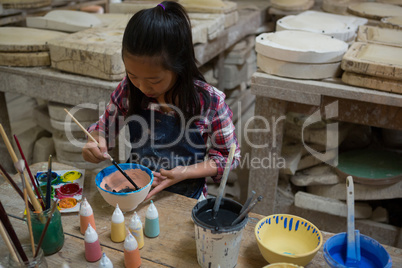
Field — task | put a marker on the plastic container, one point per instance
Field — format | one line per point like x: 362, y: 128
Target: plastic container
x: 218, y: 242
x: 373, y: 254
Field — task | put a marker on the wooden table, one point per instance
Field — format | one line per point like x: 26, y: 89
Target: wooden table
x: 276, y: 96
x: 174, y: 247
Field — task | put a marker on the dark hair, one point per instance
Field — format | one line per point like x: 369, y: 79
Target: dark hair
x: 165, y: 31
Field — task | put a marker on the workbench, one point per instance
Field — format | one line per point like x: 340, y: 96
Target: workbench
x: 276, y: 96
x: 50, y: 84
x: 174, y: 247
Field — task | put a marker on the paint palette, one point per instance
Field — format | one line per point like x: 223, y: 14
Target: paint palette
x: 66, y: 185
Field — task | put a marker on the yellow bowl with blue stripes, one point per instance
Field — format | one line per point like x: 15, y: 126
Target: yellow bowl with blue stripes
x: 287, y: 238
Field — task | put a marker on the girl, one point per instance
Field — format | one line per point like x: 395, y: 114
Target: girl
x: 171, y: 112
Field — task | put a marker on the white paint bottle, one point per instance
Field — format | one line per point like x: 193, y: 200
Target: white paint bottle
x: 135, y: 227
x: 105, y: 262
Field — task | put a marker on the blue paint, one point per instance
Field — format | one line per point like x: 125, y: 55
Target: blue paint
x: 285, y: 223
x: 290, y: 224
x: 282, y: 218
x: 308, y: 228
x: 297, y: 226
x: 373, y: 254
x: 277, y: 219
x: 269, y: 220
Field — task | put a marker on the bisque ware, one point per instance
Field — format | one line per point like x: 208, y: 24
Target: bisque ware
x: 287, y: 238
x: 127, y: 201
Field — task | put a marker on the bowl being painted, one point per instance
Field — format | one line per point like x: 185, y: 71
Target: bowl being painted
x: 373, y: 254
x: 287, y: 238
x: 127, y: 201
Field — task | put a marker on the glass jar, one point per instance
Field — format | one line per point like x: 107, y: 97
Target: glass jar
x: 54, y: 237
x: 39, y: 261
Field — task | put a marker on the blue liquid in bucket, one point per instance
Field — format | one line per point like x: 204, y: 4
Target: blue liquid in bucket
x: 373, y: 255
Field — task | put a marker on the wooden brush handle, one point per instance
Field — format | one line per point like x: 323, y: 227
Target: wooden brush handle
x: 14, y: 158
x: 6, y: 240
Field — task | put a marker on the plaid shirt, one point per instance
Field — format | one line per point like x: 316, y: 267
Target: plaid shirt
x: 215, y: 123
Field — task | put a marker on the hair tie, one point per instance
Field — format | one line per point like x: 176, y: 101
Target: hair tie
x: 162, y: 6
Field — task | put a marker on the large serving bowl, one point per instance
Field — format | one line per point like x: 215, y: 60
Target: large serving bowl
x: 287, y: 238
x: 127, y: 201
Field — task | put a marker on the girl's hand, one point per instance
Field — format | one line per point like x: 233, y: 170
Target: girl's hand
x: 94, y: 154
x: 166, y: 178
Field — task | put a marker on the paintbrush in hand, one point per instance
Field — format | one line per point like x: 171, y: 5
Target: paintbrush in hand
x: 97, y: 143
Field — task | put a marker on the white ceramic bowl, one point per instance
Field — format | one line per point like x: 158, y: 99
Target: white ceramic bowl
x: 127, y: 201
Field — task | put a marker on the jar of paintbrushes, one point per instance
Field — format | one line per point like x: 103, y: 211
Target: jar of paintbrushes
x: 47, y: 229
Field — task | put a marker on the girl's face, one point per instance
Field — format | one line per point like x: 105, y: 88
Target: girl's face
x: 149, y: 76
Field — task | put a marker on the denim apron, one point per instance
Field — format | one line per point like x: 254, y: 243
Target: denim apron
x: 160, y: 141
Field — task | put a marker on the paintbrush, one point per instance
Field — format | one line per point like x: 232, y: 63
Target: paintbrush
x: 49, y: 182
x: 14, y: 158
x: 97, y: 143
x: 42, y: 236
x: 6, y: 240
x: 34, y: 182
x: 11, y: 233
x: 247, y: 210
x: 223, y: 180
x: 248, y: 201
x: 20, y: 167
x: 14, y: 185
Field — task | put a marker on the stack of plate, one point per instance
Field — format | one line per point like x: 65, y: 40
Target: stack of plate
x: 68, y: 138
x: 338, y: 6
x: 376, y: 60
x: 299, y: 54
x: 392, y: 22
x: 25, y: 4
x: 64, y: 20
x: 20, y: 46
x: 227, y: 9
x: 374, y: 11
x: 94, y: 52
x: 290, y: 6
x: 337, y: 26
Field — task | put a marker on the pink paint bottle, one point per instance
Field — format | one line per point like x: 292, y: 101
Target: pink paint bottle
x: 132, y: 258
x: 93, y: 250
x: 86, y: 216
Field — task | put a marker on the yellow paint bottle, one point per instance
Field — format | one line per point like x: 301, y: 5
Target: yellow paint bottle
x: 118, y: 230
x: 136, y: 230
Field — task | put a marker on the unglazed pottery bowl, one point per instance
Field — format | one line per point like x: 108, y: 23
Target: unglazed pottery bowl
x: 127, y: 201
x: 287, y: 238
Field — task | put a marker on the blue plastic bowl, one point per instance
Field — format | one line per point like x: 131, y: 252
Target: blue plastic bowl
x: 373, y: 254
